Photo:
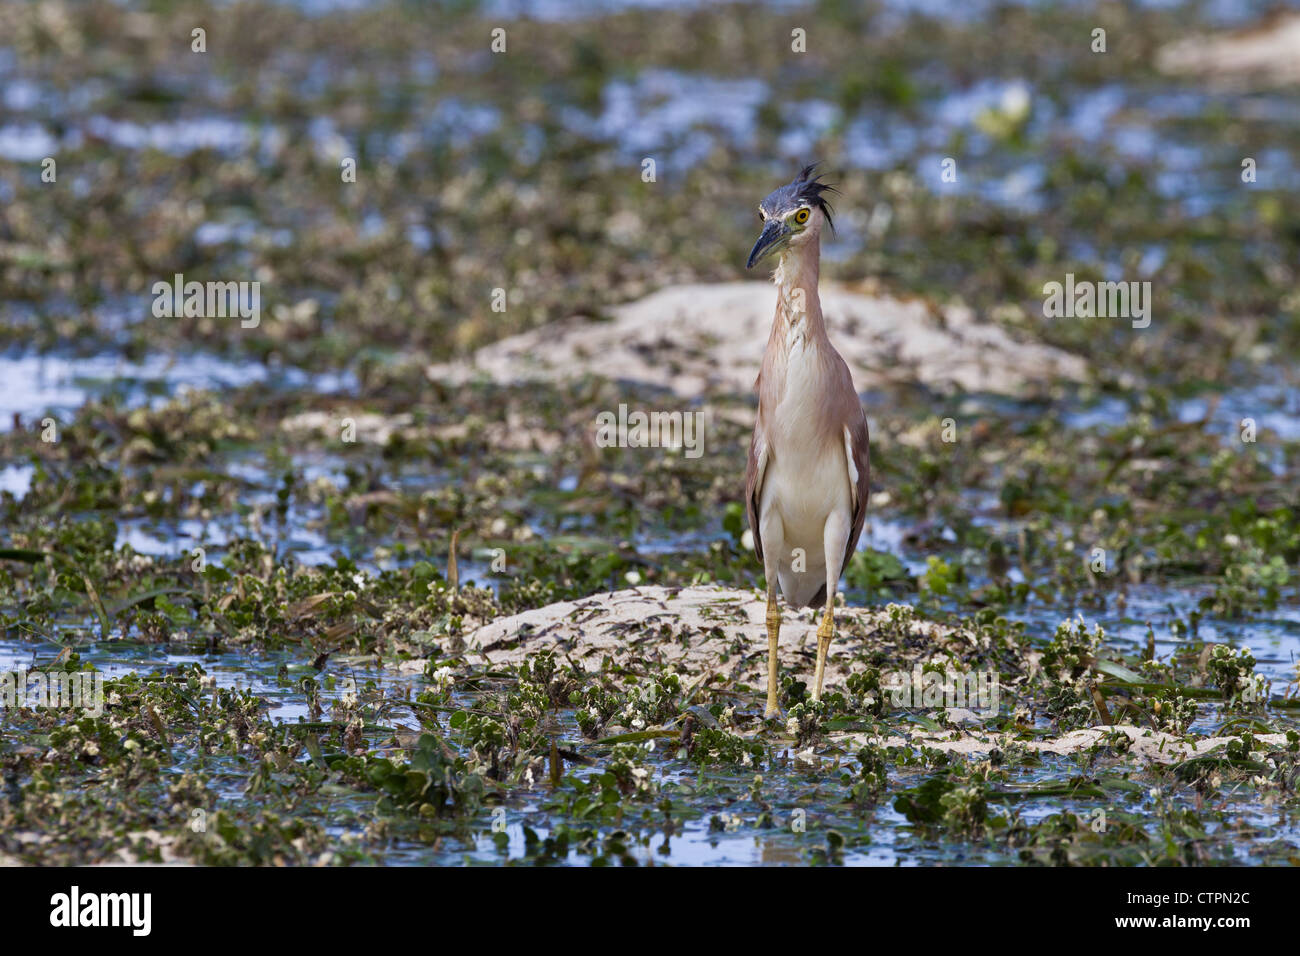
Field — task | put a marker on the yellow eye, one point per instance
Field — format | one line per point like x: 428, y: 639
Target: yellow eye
x: 801, y: 216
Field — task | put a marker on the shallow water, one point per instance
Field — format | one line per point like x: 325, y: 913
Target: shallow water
x: 34, y: 384
x: 720, y: 827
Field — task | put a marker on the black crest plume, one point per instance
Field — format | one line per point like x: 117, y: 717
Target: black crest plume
x: 810, y: 189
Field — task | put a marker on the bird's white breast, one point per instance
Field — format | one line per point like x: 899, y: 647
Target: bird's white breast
x: 807, y: 476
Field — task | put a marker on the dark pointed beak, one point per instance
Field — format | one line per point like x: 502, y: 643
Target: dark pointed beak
x: 773, y: 232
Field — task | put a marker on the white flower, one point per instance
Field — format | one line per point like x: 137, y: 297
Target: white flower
x: 633, y: 578
x: 1015, y: 101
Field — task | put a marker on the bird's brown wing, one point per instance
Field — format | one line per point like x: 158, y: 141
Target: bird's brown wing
x: 754, y: 470
x: 857, y: 442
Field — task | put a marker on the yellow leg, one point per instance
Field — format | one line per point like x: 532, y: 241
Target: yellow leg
x: 825, y: 632
x: 773, y: 638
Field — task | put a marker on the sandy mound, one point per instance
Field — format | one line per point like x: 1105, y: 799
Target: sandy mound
x: 717, y: 635
x: 705, y: 628
x: 709, y: 339
x: 1269, y: 51
x: 1148, y: 744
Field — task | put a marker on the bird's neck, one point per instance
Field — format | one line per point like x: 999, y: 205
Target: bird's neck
x: 798, y: 307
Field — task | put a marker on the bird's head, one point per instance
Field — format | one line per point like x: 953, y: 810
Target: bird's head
x: 792, y: 215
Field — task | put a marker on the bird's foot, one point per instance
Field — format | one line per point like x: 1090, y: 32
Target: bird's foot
x: 825, y: 633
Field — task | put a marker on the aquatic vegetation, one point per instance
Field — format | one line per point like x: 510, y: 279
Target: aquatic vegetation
x: 280, y: 545
x: 711, y: 745
x: 432, y: 783
x: 1233, y: 671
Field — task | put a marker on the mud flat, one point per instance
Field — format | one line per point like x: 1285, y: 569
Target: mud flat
x: 706, y: 630
x: 708, y: 339
x: 1269, y: 51
x: 715, y: 636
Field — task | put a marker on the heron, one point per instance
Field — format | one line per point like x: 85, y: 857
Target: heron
x: 807, y: 480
